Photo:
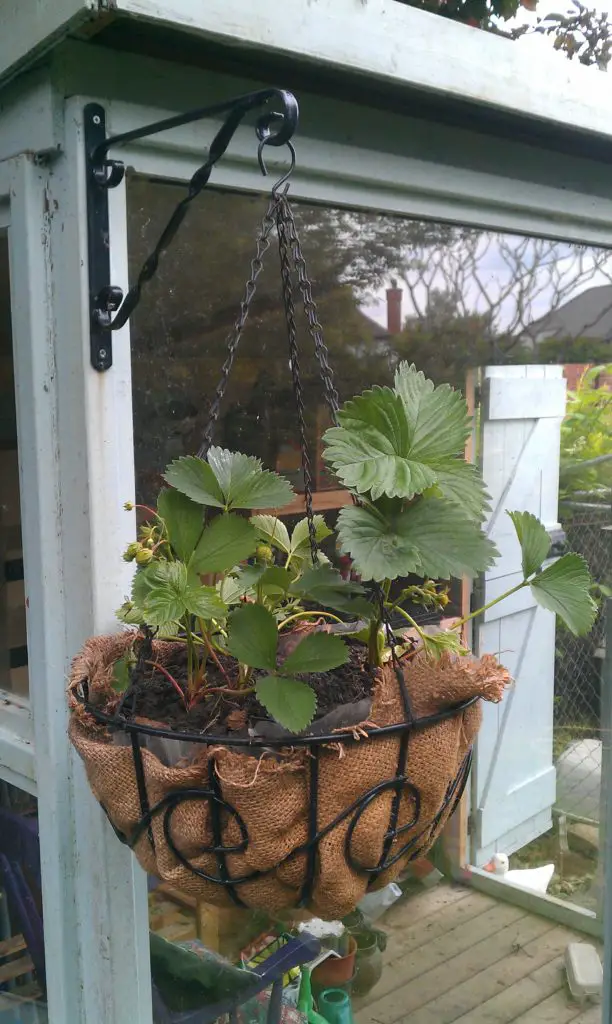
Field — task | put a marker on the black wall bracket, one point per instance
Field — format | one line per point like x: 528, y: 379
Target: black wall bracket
x: 275, y: 126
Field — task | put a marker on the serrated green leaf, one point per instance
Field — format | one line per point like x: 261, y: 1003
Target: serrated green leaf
x: 301, y: 537
x: 324, y: 585
x: 141, y: 584
x: 371, y: 450
x: 195, y: 478
x: 275, y: 580
x: 377, y: 550
x: 429, y: 539
x: 229, y: 539
x: 460, y: 482
x: 291, y: 702
x: 317, y: 652
x: 272, y: 530
x: 165, y: 601
x: 534, y: 540
x: 204, y: 602
x: 437, y: 416
x: 232, y: 588
x: 446, y: 641
x: 183, y: 519
x: 564, y: 588
x: 253, y: 636
x: 120, y: 679
x: 244, y: 482
x: 130, y: 614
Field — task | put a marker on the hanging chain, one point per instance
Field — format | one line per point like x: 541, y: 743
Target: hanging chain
x: 263, y: 244
x: 285, y: 266
x: 310, y: 309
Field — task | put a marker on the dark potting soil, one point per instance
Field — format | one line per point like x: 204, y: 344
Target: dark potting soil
x: 152, y: 696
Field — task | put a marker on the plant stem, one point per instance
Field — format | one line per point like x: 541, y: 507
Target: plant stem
x: 303, y: 615
x: 170, y: 678
x: 230, y: 690
x: 485, y: 608
x: 212, y: 653
x: 408, y: 618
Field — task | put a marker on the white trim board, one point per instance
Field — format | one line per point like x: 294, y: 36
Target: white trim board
x: 401, y: 45
x: 30, y: 28
x: 350, y: 156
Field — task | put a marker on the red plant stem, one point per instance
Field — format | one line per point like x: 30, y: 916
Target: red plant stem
x: 170, y: 678
x: 146, y: 508
x: 233, y: 692
x: 214, y: 657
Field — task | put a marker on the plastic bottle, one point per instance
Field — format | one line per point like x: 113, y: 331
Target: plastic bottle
x: 374, y: 904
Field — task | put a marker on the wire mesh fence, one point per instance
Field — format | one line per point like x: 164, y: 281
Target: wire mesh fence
x: 578, y: 674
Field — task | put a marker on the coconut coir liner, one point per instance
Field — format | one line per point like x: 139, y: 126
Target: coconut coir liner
x: 270, y: 793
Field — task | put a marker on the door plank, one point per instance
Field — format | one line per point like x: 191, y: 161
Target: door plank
x: 523, y: 999
x: 416, y: 935
x: 422, y: 905
x: 488, y: 980
x: 447, y: 962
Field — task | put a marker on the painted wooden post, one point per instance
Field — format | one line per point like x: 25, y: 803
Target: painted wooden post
x: 76, y: 465
x: 514, y: 776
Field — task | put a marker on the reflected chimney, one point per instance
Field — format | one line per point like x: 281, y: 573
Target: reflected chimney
x: 394, y: 308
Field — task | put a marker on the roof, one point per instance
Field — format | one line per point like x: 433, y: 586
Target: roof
x: 588, y: 315
x: 374, y: 328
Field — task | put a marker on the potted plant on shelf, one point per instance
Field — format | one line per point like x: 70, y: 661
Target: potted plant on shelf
x: 247, y: 746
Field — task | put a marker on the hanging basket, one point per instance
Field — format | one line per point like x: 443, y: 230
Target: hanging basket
x: 291, y: 821
x: 270, y: 826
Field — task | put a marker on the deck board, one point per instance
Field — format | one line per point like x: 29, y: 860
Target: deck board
x: 457, y: 957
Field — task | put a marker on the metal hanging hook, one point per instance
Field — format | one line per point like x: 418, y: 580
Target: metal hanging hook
x: 264, y: 170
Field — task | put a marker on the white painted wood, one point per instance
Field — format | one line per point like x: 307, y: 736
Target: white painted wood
x: 428, y: 170
x: 30, y: 27
x: 29, y: 120
x: 514, y: 778
x: 550, y: 907
x: 76, y: 464
x: 507, y: 399
x: 398, y: 45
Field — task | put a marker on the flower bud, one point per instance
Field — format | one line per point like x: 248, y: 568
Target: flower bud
x: 144, y: 556
x: 128, y: 506
x: 131, y: 551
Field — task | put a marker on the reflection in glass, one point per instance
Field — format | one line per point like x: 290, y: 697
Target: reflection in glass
x: 22, y: 953
x: 449, y: 299
x: 13, y: 644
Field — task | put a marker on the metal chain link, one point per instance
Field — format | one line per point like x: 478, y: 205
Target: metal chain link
x: 287, y: 288
x: 263, y: 244
x: 314, y: 325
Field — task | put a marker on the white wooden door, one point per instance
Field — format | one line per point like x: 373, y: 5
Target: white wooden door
x: 513, y: 782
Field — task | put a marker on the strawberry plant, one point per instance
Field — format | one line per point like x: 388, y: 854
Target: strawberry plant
x: 420, y: 507
x: 266, y: 627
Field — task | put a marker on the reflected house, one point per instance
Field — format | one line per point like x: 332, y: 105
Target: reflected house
x: 587, y: 315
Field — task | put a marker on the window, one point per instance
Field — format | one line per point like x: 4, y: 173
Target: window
x: 13, y: 643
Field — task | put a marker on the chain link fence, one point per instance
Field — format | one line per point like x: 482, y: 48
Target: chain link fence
x: 578, y: 674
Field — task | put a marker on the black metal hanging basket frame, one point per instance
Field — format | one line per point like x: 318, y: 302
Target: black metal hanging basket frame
x: 274, y: 127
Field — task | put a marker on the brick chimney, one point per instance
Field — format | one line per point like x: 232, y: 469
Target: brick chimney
x: 394, y: 308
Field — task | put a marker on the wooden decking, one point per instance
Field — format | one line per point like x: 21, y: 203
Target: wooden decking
x: 456, y: 955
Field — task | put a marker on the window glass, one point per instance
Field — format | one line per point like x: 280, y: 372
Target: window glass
x: 13, y: 643
x: 22, y: 954
x: 453, y: 300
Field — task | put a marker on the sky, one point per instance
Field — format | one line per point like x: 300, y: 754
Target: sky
x: 492, y: 270
x: 551, y: 286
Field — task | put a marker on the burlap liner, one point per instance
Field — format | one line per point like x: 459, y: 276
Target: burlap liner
x: 271, y: 792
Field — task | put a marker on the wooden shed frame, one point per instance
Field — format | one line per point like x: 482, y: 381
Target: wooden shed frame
x: 402, y: 112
